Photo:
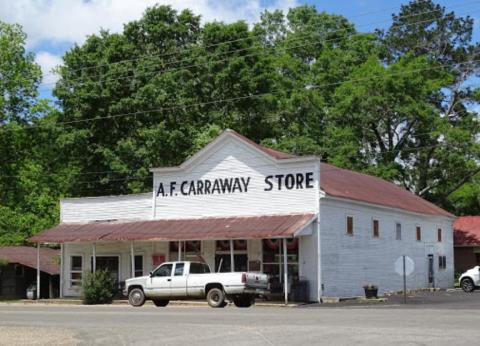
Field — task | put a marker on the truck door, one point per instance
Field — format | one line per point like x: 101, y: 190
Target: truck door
x: 179, y: 281
x: 159, y: 284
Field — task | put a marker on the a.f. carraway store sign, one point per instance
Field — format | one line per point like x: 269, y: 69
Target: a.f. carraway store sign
x: 229, y: 185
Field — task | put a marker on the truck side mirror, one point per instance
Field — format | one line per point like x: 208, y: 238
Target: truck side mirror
x: 150, y: 274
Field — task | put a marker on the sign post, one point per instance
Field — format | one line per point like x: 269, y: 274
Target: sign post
x: 404, y: 266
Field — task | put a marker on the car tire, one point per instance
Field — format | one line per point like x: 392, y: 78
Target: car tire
x: 160, y: 302
x: 216, y: 298
x: 467, y: 285
x: 136, y: 297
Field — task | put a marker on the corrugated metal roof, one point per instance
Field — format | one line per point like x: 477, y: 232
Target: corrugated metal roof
x: 27, y: 256
x: 344, y: 183
x: 272, y: 226
x: 466, y: 231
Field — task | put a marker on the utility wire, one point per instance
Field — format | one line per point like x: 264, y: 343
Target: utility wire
x: 251, y: 37
x: 233, y: 99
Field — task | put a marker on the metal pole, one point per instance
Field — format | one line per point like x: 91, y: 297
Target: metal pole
x: 38, y: 271
x: 132, y: 259
x: 179, y: 250
x: 94, y: 257
x: 61, y: 270
x: 404, y: 282
x: 232, y: 258
x: 285, y: 270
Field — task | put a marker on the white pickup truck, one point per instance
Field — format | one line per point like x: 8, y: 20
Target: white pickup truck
x: 192, y: 280
x: 470, y: 279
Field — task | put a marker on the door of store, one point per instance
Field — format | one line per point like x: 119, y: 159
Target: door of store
x: 109, y: 263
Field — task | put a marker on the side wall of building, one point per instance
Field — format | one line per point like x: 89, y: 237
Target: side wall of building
x: 351, y: 261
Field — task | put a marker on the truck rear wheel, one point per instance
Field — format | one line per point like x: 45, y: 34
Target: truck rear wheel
x: 160, y: 302
x: 216, y: 298
x: 136, y: 297
x: 244, y: 301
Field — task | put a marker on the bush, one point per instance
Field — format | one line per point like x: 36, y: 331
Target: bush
x: 98, y: 287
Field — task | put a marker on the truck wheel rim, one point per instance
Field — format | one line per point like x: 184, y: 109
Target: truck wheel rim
x: 215, y: 297
x: 136, y: 297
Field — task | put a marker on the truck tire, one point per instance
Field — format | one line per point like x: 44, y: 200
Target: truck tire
x: 244, y: 301
x: 136, y: 297
x: 216, y: 298
x: 160, y: 302
x: 467, y: 285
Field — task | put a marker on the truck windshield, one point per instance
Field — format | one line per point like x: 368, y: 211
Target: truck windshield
x: 164, y: 270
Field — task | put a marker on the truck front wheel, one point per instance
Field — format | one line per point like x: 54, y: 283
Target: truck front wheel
x: 136, y: 297
x: 216, y: 298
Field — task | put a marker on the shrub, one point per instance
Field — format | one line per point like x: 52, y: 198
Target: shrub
x: 98, y: 287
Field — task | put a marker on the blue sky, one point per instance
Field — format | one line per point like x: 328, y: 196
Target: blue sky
x: 54, y: 26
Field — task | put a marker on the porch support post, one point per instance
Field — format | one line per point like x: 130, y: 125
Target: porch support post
x: 285, y: 270
x: 132, y: 259
x: 61, y: 269
x: 179, y: 250
x: 232, y: 257
x: 50, y: 287
x: 38, y: 271
x: 94, y: 257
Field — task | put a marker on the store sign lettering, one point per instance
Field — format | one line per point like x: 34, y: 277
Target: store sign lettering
x: 234, y: 185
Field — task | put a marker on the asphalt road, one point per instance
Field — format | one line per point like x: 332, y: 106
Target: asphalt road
x: 34, y: 324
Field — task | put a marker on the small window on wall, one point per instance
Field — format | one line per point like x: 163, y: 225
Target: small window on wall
x: 419, y: 233
x: 442, y: 262
x: 398, y: 231
x: 376, y: 228
x: 76, y: 269
x: 439, y: 234
x: 349, y: 225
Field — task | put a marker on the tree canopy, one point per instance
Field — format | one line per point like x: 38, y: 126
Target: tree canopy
x: 398, y: 103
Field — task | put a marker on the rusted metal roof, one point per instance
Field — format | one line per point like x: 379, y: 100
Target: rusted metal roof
x: 466, y: 231
x: 344, y: 183
x: 273, y: 226
x: 27, y: 256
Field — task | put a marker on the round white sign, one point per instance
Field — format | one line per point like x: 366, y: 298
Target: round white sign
x: 409, y: 265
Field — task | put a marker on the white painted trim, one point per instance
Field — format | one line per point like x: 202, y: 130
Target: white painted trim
x: 305, y: 230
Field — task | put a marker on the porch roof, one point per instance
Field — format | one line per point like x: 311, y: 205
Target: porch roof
x: 244, y: 227
x: 27, y: 256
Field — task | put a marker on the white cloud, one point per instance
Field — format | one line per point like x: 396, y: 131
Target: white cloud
x: 57, y: 21
x: 48, y: 62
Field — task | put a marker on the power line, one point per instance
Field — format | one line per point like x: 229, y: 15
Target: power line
x: 179, y: 68
x: 251, y: 37
x: 233, y: 99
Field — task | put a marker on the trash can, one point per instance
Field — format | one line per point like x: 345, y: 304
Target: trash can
x: 300, y: 291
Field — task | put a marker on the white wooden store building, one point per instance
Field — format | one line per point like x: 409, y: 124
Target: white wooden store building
x: 238, y: 206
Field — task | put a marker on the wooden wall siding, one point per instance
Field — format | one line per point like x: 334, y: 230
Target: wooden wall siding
x: 349, y: 262
x: 235, y: 159
x: 129, y: 207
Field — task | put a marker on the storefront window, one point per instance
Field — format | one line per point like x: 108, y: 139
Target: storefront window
x: 190, y: 251
x: 223, y: 256
x: 273, y: 262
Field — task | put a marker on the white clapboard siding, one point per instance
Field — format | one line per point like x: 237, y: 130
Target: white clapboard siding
x: 349, y: 262
x: 128, y: 207
x: 236, y: 159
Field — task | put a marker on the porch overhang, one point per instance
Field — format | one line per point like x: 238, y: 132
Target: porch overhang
x: 213, y: 228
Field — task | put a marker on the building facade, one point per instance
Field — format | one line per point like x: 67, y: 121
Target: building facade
x: 239, y: 206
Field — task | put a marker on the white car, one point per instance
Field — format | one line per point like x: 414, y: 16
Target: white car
x: 470, y: 279
x: 193, y: 280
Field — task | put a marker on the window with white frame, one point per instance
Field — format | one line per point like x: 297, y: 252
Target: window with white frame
x: 76, y: 270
